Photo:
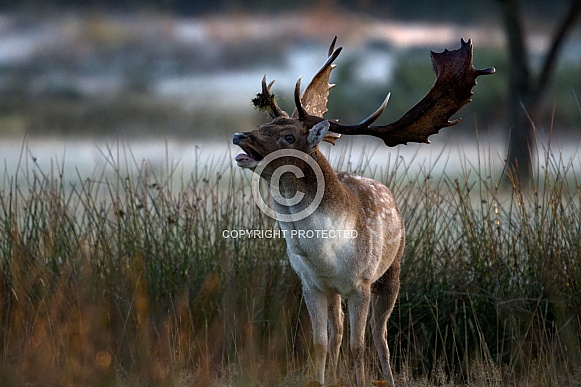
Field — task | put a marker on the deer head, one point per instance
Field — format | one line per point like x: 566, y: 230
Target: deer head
x: 455, y: 77
x: 281, y: 133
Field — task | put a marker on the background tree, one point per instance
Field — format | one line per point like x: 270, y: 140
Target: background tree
x: 526, y: 93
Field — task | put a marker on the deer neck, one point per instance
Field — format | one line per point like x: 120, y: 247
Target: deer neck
x: 335, y: 196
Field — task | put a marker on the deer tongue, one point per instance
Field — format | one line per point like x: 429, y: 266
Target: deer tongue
x: 243, y: 156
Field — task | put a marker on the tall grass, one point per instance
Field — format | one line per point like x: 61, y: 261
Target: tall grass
x: 125, y: 277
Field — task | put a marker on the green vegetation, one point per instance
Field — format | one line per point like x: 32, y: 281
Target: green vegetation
x: 125, y: 278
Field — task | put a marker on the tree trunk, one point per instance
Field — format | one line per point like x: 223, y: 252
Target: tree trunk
x: 521, y: 135
x: 525, y: 96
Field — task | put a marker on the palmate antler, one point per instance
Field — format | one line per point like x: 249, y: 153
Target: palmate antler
x: 455, y: 77
x: 314, y: 99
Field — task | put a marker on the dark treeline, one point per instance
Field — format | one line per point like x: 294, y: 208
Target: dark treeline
x: 448, y: 10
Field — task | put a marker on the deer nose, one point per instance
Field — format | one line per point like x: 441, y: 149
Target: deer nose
x: 239, y: 137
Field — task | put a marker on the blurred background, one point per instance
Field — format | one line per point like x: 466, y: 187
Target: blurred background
x: 179, y: 72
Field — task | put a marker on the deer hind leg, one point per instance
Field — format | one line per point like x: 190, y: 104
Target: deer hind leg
x: 336, y: 318
x: 358, y: 310
x: 384, y: 295
x: 316, y: 302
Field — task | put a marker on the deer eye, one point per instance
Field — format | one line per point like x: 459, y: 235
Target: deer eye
x: 289, y: 138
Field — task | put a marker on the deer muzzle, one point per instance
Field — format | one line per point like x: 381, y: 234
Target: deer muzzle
x: 251, y: 157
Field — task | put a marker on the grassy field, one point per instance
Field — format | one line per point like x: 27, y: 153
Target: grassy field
x: 125, y: 278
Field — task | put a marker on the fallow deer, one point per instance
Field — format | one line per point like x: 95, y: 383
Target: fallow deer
x: 363, y: 266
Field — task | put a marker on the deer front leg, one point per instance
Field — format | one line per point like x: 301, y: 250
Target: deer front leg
x: 336, y: 332
x: 358, y: 309
x: 316, y: 302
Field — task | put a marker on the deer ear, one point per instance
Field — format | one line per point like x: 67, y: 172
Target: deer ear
x: 317, y: 133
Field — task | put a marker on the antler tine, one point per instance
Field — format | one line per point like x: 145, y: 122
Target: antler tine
x: 340, y: 128
x: 267, y: 90
x: 486, y: 71
x: 267, y: 101
x: 275, y: 110
x: 330, y: 60
x: 332, y: 46
x: 310, y: 120
x: 302, y: 113
x: 455, y: 77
